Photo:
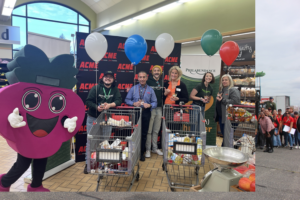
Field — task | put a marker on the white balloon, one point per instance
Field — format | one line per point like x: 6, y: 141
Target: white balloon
x: 96, y: 46
x: 164, y: 45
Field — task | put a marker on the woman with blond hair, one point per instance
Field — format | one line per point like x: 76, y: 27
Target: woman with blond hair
x: 227, y: 95
x: 175, y: 90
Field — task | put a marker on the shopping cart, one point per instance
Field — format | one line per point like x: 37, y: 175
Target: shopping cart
x: 242, y: 130
x: 114, y: 152
x: 182, y: 145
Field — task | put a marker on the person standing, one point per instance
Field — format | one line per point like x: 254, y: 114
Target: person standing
x: 175, y: 90
x: 201, y: 95
x: 227, y: 95
x: 270, y: 104
x: 276, y: 138
x: 287, y: 121
x: 267, y: 128
x: 279, y: 116
x: 142, y: 95
x: 101, y: 97
x: 155, y: 82
x: 297, y: 134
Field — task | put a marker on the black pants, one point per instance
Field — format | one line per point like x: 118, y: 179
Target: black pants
x: 20, y: 167
x: 146, y: 115
x: 269, y: 140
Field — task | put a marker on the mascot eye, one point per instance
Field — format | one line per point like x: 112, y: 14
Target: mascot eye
x: 57, y: 103
x: 31, y: 100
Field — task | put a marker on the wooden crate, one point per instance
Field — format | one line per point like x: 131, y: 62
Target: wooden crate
x: 195, y: 188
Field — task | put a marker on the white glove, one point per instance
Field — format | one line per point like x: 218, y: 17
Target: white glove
x: 70, y: 124
x: 15, y: 120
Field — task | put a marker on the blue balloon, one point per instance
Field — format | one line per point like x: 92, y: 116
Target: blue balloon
x: 135, y: 48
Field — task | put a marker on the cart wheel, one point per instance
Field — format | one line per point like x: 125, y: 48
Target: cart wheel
x: 163, y: 167
x: 172, y: 189
x: 137, y: 177
x: 101, y: 177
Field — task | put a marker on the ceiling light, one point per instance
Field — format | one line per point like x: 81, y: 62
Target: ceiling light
x: 188, y: 42
x: 183, y: 1
x: 226, y: 36
x: 167, y: 7
x: 127, y: 22
x: 113, y: 27
x: 243, y: 34
x: 9, y: 3
x: 8, y: 7
x: 144, y: 16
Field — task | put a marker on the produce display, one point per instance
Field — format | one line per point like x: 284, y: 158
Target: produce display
x: 239, y: 115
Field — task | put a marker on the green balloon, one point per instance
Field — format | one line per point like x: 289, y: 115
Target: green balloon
x: 211, y: 41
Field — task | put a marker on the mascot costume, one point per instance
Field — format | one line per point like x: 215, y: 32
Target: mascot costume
x: 39, y: 111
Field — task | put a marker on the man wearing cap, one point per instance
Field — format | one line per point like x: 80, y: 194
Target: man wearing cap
x: 155, y: 82
x: 270, y: 105
x: 142, y: 95
x: 101, y: 97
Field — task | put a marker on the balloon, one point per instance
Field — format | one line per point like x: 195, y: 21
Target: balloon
x: 135, y: 48
x: 229, y: 52
x: 164, y: 45
x: 211, y: 41
x: 96, y: 46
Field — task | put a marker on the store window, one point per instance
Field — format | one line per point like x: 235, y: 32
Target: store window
x: 50, y: 19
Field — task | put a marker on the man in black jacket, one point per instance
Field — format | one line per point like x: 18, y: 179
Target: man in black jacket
x: 155, y: 82
x: 101, y: 97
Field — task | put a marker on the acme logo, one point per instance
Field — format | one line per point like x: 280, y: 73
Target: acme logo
x: 86, y: 86
x: 146, y: 58
x: 88, y: 65
x: 123, y: 86
x: 166, y: 78
x: 121, y: 46
x: 153, y: 50
x: 82, y: 129
x: 81, y: 44
x: 172, y: 59
x: 86, y: 108
x: 82, y: 149
x: 125, y: 66
x: 110, y: 55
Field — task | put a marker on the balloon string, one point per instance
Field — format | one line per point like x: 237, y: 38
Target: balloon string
x: 96, y: 63
x: 163, y: 80
x: 134, y: 66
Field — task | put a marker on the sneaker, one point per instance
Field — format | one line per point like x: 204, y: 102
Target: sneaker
x: 296, y: 147
x: 291, y: 148
x: 38, y: 189
x: 147, y: 155
x: 142, y: 158
x: 271, y: 151
x: 158, y: 152
x: 85, y: 169
x: 3, y: 189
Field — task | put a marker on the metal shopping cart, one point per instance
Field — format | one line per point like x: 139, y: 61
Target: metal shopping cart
x: 182, y: 145
x: 242, y: 130
x: 114, y: 151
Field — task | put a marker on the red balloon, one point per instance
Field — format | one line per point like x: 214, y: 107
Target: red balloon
x: 229, y: 52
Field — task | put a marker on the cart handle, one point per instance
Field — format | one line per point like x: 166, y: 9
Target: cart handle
x: 120, y: 107
x: 244, y: 106
x: 176, y: 105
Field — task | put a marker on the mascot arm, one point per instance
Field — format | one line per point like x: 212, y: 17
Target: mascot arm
x: 70, y: 124
x: 15, y: 120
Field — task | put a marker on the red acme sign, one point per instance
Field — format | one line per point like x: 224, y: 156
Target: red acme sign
x: 88, y: 65
x: 125, y: 66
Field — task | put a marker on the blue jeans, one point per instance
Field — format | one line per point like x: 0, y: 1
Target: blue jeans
x: 222, y: 129
x: 89, y: 124
x: 276, y: 138
x: 297, y: 137
x: 287, y: 136
x: 196, y: 113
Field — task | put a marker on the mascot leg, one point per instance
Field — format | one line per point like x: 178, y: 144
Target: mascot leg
x: 17, y: 170
x: 39, y: 167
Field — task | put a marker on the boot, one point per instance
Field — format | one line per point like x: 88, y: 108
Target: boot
x: 3, y: 189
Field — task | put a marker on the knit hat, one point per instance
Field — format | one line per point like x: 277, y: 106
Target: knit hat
x: 157, y: 66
